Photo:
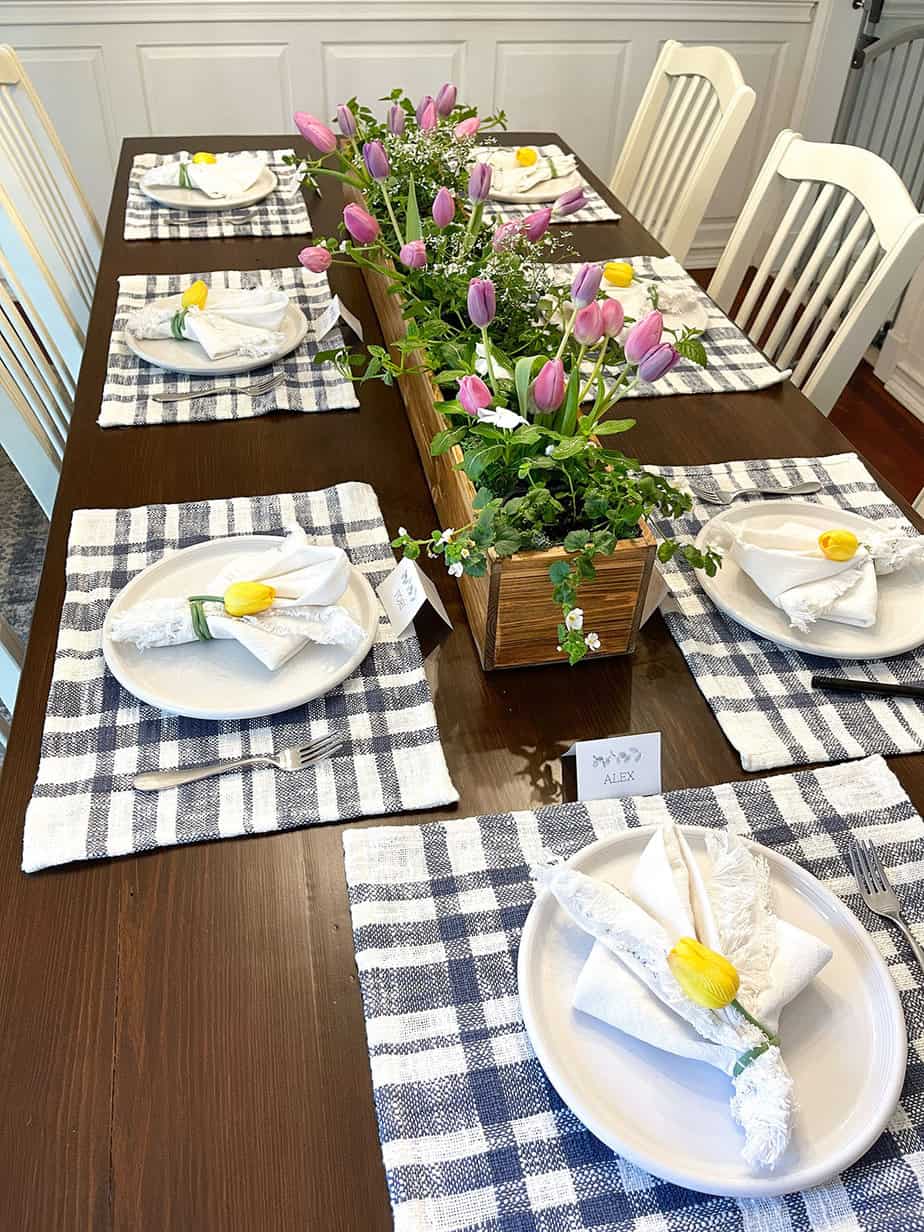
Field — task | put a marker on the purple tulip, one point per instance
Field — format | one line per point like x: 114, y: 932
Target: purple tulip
x: 316, y: 132
x: 315, y: 258
x: 346, y: 120
x: 396, y: 120
x: 444, y: 208
x: 614, y: 317
x: 360, y: 223
x: 505, y: 234
x: 536, y: 225
x: 446, y: 99
x: 569, y: 202
x: 643, y: 337
x: 413, y: 254
x: 423, y: 105
x: 658, y: 362
x: 482, y: 304
x: 466, y: 128
x: 474, y: 394
x: 549, y: 386
x: 376, y: 160
x: 429, y: 118
x: 479, y: 182
x: 588, y: 325
x: 586, y: 284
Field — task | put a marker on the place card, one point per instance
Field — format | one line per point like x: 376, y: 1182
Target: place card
x: 404, y: 592
x: 334, y: 312
x: 618, y: 766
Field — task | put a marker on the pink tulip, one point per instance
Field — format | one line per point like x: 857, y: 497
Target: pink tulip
x: 446, y: 99
x: 570, y: 202
x: 414, y: 254
x: 422, y: 106
x: 346, y: 120
x: 466, y: 128
x: 396, y: 120
x: 643, y: 337
x: 429, y: 118
x: 505, y: 234
x: 536, y: 225
x: 444, y: 208
x: 360, y: 223
x: 316, y: 132
x: 658, y: 362
x: 482, y: 303
x: 614, y: 317
x: 474, y: 394
x: 315, y: 258
x: 549, y: 386
x: 588, y: 325
x: 586, y: 283
x: 479, y: 182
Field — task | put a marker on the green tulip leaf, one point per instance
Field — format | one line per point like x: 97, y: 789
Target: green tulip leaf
x: 412, y: 227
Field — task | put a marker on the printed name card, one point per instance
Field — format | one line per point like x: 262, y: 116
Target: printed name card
x: 404, y: 592
x: 618, y: 766
x: 334, y: 312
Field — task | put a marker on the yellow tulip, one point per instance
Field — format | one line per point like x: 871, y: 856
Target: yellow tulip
x: 526, y: 156
x: 248, y: 598
x: 618, y: 273
x: 204, y: 157
x: 838, y: 544
x: 195, y: 296
x: 705, y: 976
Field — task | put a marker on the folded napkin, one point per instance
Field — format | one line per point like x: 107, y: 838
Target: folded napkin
x: 308, y: 578
x: 790, y: 568
x: 507, y: 176
x: 232, y: 323
x: 627, y: 982
x: 229, y: 176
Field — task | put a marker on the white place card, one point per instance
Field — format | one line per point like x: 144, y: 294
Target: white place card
x: 334, y: 312
x: 618, y: 766
x: 404, y: 592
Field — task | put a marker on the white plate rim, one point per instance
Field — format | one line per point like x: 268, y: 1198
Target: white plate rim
x: 792, y: 639
x: 259, y: 190
x: 758, y: 1186
x: 247, y: 712
x: 218, y: 367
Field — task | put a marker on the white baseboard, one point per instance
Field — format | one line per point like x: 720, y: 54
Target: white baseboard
x: 907, y: 385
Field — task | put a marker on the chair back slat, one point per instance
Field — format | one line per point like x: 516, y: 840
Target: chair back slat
x: 26, y: 443
x: 690, y: 117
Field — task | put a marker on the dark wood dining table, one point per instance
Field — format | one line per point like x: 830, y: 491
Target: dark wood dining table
x: 181, y: 1035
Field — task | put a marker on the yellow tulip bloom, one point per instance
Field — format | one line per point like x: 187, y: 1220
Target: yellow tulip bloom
x: 248, y: 598
x: 526, y: 156
x: 705, y: 976
x: 618, y: 273
x: 838, y: 544
x: 204, y: 157
x: 195, y: 296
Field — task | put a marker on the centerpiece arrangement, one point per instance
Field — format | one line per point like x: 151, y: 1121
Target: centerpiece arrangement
x: 508, y: 376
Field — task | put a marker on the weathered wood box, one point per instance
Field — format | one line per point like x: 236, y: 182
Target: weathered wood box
x: 511, y: 613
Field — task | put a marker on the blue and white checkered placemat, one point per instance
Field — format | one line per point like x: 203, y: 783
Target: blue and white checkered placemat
x: 130, y: 381
x: 760, y: 692
x: 474, y: 1137
x: 283, y: 212
x: 97, y: 736
x: 595, y: 209
x: 735, y: 364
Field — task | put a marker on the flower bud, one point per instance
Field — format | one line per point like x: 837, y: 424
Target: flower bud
x: 614, y: 317
x: 505, y: 234
x: 586, y: 284
x: 315, y: 258
x: 248, y: 598
x: 195, y: 295
x: 570, y: 202
x: 316, y: 132
x: 706, y: 977
x: 588, y: 325
x: 618, y: 273
x: 376, y: 160
x: 643, y: 337
x: 549, y: 386
x: 535, y: 225
x: 446, y: 98
x: 836, y: 544
x: 413, y: 254
x: 444, y: 208
x: 482, y: 304
x: 360, y: 223
x: 396, y: 120
x: 658, y: 362
x: 346, y: 120
x: 428, y: 118
x: 466, y: 128
x: 479, y: 182
x: 474, y: 394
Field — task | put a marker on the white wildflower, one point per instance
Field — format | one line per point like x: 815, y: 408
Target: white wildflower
x: 402, y: 530
x: 549, y: 450
x: 592, y: 641
x: 455, y: 569
x: 447, y: 535
x: 500, y: 417
x: 575, y: 619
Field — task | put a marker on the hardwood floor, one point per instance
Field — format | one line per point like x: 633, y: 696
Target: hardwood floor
x: 876, y: 423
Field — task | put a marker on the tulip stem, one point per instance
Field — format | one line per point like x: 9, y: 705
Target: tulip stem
x: 593, y: 376
x: 474, y: 221
x: 773, y: 1039
x: 391, y: 215
x: 566, y: 335
x: 487, y: 355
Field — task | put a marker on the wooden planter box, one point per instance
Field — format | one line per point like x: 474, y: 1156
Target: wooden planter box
x: 511, y: 613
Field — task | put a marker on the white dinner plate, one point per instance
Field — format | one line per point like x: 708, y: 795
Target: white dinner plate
x: 899, y: 624
x: 220, y: 679
x: 194, y: 199
x: 844, y: 1041
x: 636, y: 303
x: 189, y: 358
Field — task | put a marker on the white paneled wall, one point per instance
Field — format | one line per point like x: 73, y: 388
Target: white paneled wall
x: 114, y: 68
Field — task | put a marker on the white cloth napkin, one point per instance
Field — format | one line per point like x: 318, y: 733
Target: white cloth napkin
x: 507, y: 176
x: 626, y: 980
x: 792, y: 571
x: 309, y: 580
x: 232, y: 322
x: 229, y: 176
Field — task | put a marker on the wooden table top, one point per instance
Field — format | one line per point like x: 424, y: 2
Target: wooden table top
x: 181, y: 1037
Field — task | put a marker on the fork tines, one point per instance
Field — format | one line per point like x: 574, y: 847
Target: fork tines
x: 323, y: 747
x: 867, y: 868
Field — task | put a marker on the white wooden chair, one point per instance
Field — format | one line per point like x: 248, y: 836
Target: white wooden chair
x: 919, y: 502
x: 40, y: 185
x: 12, y: 656
x: 691, y: 115
x: 845, y: 246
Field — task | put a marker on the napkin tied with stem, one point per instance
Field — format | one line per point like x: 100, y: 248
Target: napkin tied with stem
x: 233, y: 322
x: 627, y: 981
x: 228, y: 176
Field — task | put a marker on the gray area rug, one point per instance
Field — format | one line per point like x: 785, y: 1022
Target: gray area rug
x: 23, y: 533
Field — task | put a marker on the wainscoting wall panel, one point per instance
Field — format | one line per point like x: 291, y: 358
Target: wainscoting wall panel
x: 114, y: 68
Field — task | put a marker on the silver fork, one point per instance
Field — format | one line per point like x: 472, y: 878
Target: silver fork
x: 876, y: 890
x: 288, y: 760
x: 263, y: 386
x: 725, y: 496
